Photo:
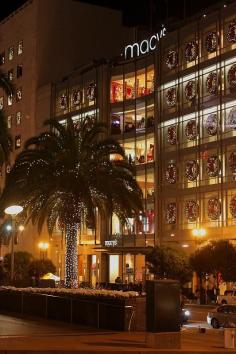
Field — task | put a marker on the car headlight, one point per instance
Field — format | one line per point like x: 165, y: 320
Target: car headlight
x: 187, y: 313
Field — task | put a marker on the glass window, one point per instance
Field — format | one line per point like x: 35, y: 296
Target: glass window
x: 11, y: 53
x: 116, y: 90
x: 140, y: 150
x: 129, y: 147
x: 140, y: 116
x: 20, y: 47
x: 19, y: 70
x: 17, y: 142
x: 150, y: 115
x: 1, y: 102
x: 18, y: 94
x: 10, y: 100
x: 150, y: 79
x: 9, y: 121
x: 141, y: 83
x: 18, y: 118
x: 10, y: 74
x: 150, y: 148
x: 140, y: 177
x: 129, y: 86
x: 150, y: 183
x: 129, y: 121
x: 2, y: 58
x: 116, y: 225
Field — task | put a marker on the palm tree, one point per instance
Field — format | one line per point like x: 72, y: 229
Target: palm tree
x: 66, y: 174
x: 5, y: 138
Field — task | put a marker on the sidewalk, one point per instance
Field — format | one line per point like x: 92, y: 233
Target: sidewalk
x: 44, y: 336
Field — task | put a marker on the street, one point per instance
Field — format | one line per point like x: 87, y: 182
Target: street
x: 36, y: 334
x: 198, y: 314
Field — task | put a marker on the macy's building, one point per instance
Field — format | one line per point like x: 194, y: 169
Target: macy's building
x: 171, y: 103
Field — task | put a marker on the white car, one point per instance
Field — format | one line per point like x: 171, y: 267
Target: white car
x: 229, y: 297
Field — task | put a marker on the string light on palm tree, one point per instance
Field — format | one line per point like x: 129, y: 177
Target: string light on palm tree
x: 71, y: 176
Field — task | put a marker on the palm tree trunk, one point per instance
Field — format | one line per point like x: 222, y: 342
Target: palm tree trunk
x: 71, y: 262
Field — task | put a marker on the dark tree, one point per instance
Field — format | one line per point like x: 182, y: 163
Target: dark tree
x: 67, y: 174
x: 40, y: 267
x: 22, y: 261
x: 214, y: 258
x: 166, y: 262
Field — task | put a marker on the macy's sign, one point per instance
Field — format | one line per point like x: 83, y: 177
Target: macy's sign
x: 147, y: 45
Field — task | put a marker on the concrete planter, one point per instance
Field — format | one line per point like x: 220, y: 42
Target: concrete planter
x: 100, y: 312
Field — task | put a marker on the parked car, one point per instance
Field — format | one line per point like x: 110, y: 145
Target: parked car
x: 229, y: 297
x: 222, y: 316
x: 184, y: 316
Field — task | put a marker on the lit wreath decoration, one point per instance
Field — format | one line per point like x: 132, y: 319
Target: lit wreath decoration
x: 91, y: 92
x: 76, y: 97
x: 232, y: 161
x: 171, y: 173
x: 231, y: 34
x: 231, y: 119
x: 231, y: 77
x: 232, y: 206
x: 171, y: 97
x: 171, y: 213
x: 211, y: 124
x: 211, y: 42
x: 214, y: 208
x: 190, y: 90
x: 172, y: 135
x: 191, y: 130
x: 191, y: 51
x: 191, y: 170
x: 212, y: 83
x: 191, y: 210
x: 172, y: 59
x: 213, y: 166
x: 63, y: 101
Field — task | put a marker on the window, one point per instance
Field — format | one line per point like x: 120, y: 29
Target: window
x: 2, y: 58
x: 10, y: 100
x: 18, y: 118
x: 9, y: 122
x: 11, y: 53
x: 18, y: 94
x: 17, y: 142
x: 19, y: 71
x: 20, y: 47
x: 1, y: 102
x: 10, y: 74
x: 8, y: 168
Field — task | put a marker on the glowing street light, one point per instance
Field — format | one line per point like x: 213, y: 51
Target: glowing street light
x: 43, y: 246
x: 13, y: 210
x: 199, y: 232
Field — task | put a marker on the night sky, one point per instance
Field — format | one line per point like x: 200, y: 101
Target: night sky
x: 136, y: 12
x: 8, y: 6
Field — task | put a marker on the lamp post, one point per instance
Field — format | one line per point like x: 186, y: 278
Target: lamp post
x: 43, y: 246
x: 13, y: 210
x: 199, y: 234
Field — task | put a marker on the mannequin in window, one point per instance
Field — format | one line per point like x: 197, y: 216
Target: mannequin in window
x: 150, y: 153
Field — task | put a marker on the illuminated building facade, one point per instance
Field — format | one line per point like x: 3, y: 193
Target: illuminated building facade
x: 174, y: 112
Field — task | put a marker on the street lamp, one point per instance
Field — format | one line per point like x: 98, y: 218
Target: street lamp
x: 13, y: 210
x: 199, y: 232
x: 43, y: 246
